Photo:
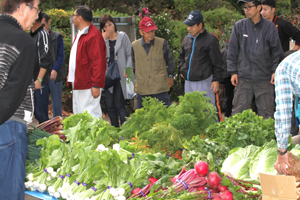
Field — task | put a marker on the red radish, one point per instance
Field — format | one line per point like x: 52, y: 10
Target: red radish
x: 222, y: 188
x: 152, y: 180
x: 201, y: 168
x: 226, y: 195
x: 213, y: 180
x: 136, y: 190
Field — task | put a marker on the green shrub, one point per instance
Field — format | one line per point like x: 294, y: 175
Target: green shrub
x: 183, y: 7
x: 220, y: 22
x: 221, y: 17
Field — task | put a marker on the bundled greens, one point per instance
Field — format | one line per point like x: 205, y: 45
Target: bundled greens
x: 242, y: 129
x: 160, y: 128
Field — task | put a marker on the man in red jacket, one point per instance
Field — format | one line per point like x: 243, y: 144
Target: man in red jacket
x: 87, y: 65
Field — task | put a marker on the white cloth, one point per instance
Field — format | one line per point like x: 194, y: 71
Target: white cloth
x: 73, y: 53
x: 84, y: 101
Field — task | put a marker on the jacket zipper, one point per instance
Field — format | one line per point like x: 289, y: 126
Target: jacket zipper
x: 252, y: 49
x: 188, y: 73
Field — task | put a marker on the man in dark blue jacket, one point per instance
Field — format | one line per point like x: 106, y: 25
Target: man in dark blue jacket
x: 252, y: 58
x: 200, y: 59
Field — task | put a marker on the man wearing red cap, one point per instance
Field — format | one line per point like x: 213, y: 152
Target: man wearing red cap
x: 153, y: 63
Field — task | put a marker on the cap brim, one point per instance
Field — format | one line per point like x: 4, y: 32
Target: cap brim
x: 244, y: 1
x: 148, y: 29
x: 189, y: 22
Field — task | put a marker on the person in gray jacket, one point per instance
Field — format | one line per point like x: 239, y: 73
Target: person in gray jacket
x: 252, y: 58
x: 116, y: 42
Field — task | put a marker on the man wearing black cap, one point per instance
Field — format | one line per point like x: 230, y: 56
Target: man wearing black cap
x: 200, y: 59
x: 252, y: 58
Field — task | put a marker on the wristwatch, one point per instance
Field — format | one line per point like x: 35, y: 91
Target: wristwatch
x: 39, y: 80
x: 282, y: 152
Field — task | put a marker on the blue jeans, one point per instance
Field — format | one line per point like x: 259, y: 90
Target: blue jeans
x: 56, y: 97
x: 116, y: 105
x: 164, y: 97
x: 13, y: 151
x: 41, y: 101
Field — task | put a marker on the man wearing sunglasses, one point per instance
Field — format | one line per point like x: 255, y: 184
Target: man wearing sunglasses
x: 18, y: 60
x: 252, y: 58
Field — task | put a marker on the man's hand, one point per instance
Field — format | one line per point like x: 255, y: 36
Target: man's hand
x: 37, y: 85
x: 95, y: 92
x: 53, y: 75
x: 215, y: 86
x: 234, y: 80
x: 273, y: 79
x: 170, y: 80
x: 281, y: 163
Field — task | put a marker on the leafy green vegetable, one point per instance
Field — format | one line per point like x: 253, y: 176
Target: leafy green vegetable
x: 165, y: 128
x: 263, y: 160
x: 242, y: 129
x: 237, y: 163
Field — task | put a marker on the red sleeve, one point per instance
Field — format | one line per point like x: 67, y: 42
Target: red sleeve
x: 97, y: 56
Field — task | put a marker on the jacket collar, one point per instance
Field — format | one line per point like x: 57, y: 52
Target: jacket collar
x: 10, y: 20
x: 258, y: 24
x: 151, y: 42
x: 200, y: 34
x: 36, y: 31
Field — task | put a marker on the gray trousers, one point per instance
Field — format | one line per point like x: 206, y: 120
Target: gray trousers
x: 264, y: 97
x: 201, y: 86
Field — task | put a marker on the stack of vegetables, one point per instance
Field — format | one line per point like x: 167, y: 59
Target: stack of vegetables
x: 99, y: 161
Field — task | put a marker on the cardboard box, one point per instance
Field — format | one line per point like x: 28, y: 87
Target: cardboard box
x: 278, y: 187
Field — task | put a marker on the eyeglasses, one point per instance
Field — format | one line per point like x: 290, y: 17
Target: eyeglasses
x: 74, y: 15
x: 247, y: 7
x: 38, y: 10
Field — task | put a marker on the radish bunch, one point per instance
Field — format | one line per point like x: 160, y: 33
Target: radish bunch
x: 200, y: 183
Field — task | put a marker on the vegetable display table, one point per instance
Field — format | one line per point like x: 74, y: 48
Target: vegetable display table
x: 35, y: 195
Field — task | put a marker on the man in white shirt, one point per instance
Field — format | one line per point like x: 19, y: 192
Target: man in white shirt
x: 87, y: 65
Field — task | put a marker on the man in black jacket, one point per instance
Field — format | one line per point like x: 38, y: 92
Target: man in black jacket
x: 252, y: 58
x: 59, y: 71
x: 18, y: 57
x: 41, y: 94
x: 285, y: 29
x: 200, y: 59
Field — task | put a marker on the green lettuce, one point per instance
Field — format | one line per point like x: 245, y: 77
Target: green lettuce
x: 236, y: 164
x: 263, y: 160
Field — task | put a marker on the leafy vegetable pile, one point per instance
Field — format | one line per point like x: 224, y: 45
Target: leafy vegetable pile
x: 162, y: 128
x: 99, y: 161
x: 242, y: 129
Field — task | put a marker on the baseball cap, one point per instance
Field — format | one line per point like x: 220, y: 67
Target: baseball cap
x: 194, y: 17
x: 248, y: 1
x: 147, y: 24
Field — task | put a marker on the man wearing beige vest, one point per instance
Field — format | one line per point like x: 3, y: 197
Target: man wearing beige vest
x: 153, y: 63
